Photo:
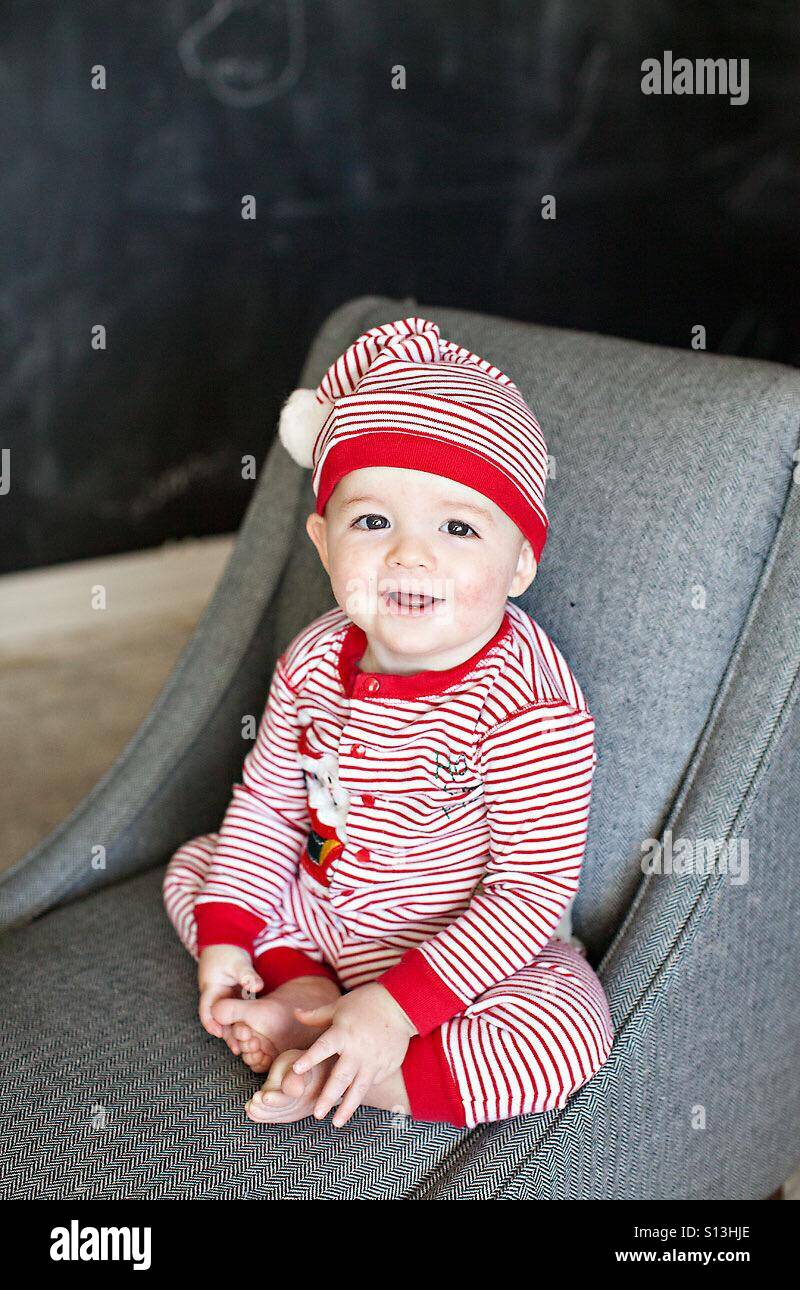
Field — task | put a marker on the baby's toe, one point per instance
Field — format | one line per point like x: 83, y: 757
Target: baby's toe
x: 294, y: 1085
x: 267, y: 1104
x: 280, y: 1067
x: 257, y: 1061
x: 256, y: 1109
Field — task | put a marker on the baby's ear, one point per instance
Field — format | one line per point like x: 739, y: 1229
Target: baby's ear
x: 301, y: 419
x: 316, y: 530
x: 527, y: 566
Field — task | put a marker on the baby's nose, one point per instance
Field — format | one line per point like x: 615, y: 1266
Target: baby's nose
x: 411, y: 552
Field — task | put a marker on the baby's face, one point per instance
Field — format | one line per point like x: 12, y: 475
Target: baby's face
x: 423, y: 564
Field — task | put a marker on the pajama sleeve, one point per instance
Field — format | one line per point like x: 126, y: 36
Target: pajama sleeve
x: 537, y: 767
x: 263, y: 831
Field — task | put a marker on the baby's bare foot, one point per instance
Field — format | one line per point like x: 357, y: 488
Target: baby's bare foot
x: 287, y: 1096
x: 259, y: 1029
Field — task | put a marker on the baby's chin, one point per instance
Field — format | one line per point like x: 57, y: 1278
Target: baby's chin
x: 436, y: 630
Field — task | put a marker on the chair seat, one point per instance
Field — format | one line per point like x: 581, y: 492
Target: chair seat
x: 113, y: 1090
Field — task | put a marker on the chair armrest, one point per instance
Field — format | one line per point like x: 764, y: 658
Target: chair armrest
x: 697, y: 966
x: 167, y: 782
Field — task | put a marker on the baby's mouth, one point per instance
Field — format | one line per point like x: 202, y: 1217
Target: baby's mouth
x: 410, y: 602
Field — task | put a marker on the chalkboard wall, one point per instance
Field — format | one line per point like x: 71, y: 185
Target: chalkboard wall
x: 399, y: 148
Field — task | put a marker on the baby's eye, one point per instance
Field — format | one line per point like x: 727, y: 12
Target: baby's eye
x: 462, y: 525
x: 357, y: 523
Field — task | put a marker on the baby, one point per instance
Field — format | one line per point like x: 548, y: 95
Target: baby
x: 383, y: 917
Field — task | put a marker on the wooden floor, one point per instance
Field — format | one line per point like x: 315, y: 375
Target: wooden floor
x: 76, y: 679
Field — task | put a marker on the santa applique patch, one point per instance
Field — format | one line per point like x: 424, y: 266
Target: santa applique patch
x: 328, y: 802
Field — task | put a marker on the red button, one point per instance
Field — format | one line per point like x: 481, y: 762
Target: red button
x: 362, y: 854
x: 373, y: 685
x: 357, y: 750
x: 368, y: 799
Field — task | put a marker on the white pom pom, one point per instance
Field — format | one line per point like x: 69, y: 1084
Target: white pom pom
x: 301, y: 419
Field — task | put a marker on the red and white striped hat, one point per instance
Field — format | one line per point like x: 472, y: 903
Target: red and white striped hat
x: 402, y: 396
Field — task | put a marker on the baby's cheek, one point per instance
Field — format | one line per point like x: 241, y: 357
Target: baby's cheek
x: 355, y: 584
x: 348, y: 574
x: 481, y: 590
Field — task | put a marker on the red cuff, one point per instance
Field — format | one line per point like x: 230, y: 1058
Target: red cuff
x: 431, y: 1087
x: 221, y: 923
x: 421, y: 992
x: 284, y: 964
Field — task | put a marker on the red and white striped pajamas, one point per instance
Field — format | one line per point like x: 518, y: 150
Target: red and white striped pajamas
x: 425, y: 831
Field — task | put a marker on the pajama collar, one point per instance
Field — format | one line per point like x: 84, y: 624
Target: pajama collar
x: 395, y: 685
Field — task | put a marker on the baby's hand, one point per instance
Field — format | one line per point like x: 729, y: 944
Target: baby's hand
x: 222, y: 971
x: 370, y: 1032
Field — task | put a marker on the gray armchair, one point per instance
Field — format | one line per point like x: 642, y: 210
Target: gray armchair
x: 671, y: 581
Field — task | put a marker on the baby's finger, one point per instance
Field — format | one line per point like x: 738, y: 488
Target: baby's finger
x: 352, y: 1100
x: 327, y: 1044
x: 339, y: 1080
x: 207, y: 999
x: 250, y: 982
